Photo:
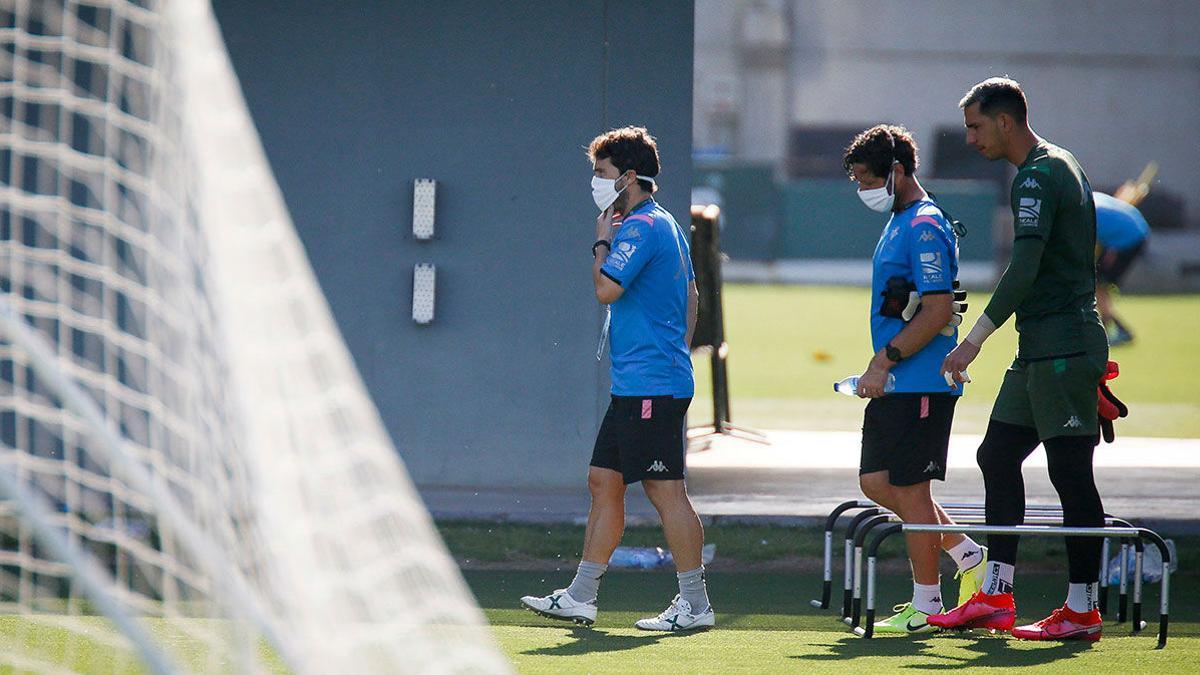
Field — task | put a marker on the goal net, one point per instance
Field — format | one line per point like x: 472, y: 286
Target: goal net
x: 192, y: 475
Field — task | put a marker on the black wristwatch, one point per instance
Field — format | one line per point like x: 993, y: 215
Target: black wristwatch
x: 600, y: 242
x: 893, y: 353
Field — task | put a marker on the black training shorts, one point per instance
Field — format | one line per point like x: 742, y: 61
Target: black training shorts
x: 643, y: 437
x: 1112, y: 264
x: 907, y: 435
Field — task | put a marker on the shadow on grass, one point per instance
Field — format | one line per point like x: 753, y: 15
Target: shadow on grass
x: 990, y: 652
x: 592, y: 640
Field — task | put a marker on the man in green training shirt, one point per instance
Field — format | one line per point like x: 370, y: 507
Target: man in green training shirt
x: 1049, y: 393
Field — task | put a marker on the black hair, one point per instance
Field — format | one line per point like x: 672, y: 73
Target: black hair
x: 878, y: 147
x: 628, y: 148
x: 997, y: 95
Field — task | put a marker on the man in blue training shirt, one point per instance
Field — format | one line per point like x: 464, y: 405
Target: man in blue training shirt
x: 1121, y: 233
x: 642, y: 269
x: 914, y: 315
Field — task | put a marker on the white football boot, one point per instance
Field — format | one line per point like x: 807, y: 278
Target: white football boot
x: 679, y: 617
x: 560, y: 605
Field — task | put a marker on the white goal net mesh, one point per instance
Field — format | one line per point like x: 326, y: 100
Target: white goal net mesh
x: 193, y: 475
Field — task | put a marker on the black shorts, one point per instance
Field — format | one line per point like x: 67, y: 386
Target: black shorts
x: 643, y: 437
x: 1112, y: 264
x: 907, y: 435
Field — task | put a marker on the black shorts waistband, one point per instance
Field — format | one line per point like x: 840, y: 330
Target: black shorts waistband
x: 1052, y: 357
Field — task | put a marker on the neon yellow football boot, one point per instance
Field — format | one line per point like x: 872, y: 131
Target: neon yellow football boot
x: 907, y: 620
x: 971, y: 579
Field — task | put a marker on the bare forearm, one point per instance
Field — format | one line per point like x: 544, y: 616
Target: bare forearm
x: 598, y: 278
x: 935, y: 313
x: 692, y: 306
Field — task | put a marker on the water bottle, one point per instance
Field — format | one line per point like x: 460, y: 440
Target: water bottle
x: 849, y: 385
x: 638, y: 557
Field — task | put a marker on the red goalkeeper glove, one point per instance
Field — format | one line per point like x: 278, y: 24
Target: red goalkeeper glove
x: 1108, y: 405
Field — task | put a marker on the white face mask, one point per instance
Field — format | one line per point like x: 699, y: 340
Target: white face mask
x: 881, y: 198
x: 605, y: 192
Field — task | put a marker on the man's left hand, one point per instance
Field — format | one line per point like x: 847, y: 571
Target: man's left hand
x: 956, y: 362
x: 872, y: 382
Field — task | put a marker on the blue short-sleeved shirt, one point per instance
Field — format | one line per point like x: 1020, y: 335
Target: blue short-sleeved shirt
x: 919, y: 245
x: 651, y: 259
x: 1119, y: 225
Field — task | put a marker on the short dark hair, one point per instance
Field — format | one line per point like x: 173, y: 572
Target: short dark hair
x: 997, y: 95
x: 628, y: 148
x: 877, y: 147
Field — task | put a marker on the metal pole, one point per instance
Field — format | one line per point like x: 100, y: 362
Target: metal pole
x: 1137, y: 588
x: 830, y: 523
x: 1122, y: 594
x: 1103, y: 599
x: 1042, y: 530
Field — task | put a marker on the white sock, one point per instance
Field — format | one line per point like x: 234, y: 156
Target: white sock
x: 586, y: 583
x: 966, y: 554
x: 998, y: 578
x: 1082, y: 598
x: 927, y: 598
x: 692, y: 589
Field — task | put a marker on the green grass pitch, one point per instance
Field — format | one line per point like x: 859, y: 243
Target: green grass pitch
x: 765, y: 625
x: 788, y: 344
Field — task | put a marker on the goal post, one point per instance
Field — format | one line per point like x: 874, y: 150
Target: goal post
x: 195, y: 477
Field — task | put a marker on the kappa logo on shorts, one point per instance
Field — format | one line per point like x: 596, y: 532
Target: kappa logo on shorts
x: 657, y: 466
x: 933, y: 466
x: 1073, y: 423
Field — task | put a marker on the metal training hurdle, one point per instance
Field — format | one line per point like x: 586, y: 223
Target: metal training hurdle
x: 961, y: 518
x: 853, y: 558
x: 1048, y: 517
x: 1135, y: 533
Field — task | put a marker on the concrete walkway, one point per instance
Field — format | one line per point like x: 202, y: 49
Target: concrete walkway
x: 801, y: 475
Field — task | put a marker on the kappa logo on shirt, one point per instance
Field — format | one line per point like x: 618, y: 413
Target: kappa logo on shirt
x: 927, y: 235
x: 1031, y: 183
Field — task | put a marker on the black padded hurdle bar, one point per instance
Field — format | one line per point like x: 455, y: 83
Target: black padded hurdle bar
x: 830, y: 523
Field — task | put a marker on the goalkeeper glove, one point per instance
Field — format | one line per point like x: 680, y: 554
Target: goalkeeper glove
x: 1108, y: 406
x: 960, y: 306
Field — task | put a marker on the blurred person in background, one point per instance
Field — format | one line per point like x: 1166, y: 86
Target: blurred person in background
x: 1121, y: 234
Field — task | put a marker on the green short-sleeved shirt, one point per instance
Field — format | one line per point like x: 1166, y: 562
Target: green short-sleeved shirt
x: 1052, y: 200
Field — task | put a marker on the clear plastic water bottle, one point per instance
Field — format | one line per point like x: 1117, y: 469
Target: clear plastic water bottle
x: 638, y: 557
x: 849, y: 385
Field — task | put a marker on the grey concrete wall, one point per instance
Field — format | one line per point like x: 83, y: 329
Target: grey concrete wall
x: 1115, y: 81
x: 496, y: 100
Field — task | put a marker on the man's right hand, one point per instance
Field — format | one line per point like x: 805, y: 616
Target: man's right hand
x: 956, y: 361
x: 604, y: 225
